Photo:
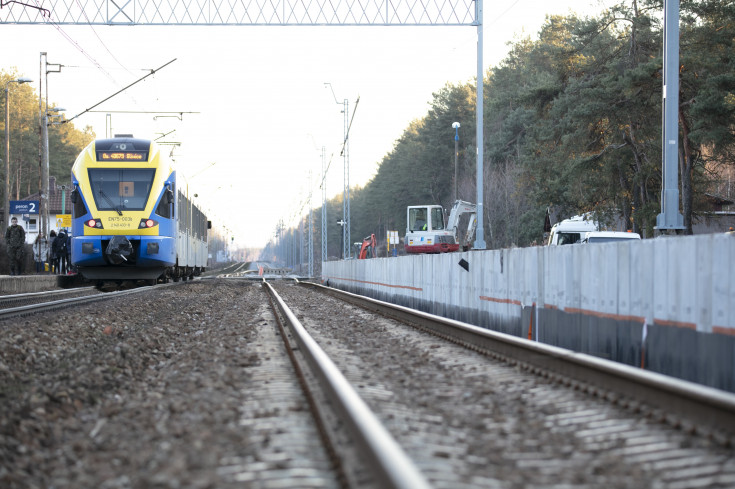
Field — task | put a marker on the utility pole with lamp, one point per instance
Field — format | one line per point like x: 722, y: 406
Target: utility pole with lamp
x: 6, y: 207
x: 346, y: 251
x: 342, y: 223
x: 455, y: 125
x: 44, y: 114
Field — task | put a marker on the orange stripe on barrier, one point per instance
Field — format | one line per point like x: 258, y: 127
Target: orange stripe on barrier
x: 723, y: 330
x: 502, y: 301
x: 676, y: 324
x: 376, y: 283
x: 608, y: 315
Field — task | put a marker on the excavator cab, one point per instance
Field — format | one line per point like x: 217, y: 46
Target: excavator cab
x: 425, y: 218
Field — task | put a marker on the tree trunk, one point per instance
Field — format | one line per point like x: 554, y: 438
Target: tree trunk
x: 686, y: 164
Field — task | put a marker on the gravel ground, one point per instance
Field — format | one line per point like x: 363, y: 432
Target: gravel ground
x: 151, y: 391
x: 189, y: 386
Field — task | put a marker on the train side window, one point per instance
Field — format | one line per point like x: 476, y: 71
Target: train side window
x: 172, y: 188
x: 163, y: 209
x: 165, y: 204
x: 78, y: 208
x: 182, y: 212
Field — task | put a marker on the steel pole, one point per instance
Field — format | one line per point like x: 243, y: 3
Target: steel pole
x: 42, y: 139
x: 480, y: 233
x: 670, y: 218
x: 44, y: 191
x: 6, y: 206
x: 347, y: 249
x: 311, y: 240
x: 324, y: 211
x: 456, y: 156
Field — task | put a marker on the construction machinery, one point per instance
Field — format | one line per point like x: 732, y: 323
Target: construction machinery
x: 572, y: 230
x: 369, y: 248
x: 427, y: 231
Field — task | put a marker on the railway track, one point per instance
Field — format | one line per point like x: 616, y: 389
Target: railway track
x: 36, y: 302
x: 15, y: 300
x: 473, y: 408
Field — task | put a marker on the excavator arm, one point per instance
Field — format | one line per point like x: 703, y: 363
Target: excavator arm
x: 459, y: 208
x: 471, y: 227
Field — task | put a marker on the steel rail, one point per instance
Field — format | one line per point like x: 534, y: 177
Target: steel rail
x: 693, y: 406
x: 73, y: 301
x: 395, y: 469
x: 11, y: 298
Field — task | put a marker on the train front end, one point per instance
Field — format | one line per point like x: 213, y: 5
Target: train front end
x: 122, y: 211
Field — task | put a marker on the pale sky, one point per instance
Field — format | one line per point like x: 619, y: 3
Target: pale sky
x: 263, y: 112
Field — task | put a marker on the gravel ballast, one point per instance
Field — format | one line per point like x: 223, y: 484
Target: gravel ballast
x: 153, y: 390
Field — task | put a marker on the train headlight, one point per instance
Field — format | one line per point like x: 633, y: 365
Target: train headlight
x: 147, y: 223
x: 93, y: 223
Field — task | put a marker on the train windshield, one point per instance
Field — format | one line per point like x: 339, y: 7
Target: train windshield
x: 121, y: 189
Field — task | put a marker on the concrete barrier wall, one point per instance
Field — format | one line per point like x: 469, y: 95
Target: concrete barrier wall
x: 667, y: 304
x: 27, y: 283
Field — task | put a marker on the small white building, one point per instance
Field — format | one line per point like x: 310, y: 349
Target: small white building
x: 28, y: 210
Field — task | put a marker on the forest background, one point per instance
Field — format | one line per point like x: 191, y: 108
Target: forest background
x: 65, y: 140
x: 572, y: 124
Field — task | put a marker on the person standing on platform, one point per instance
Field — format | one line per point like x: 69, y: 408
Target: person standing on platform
x: 40, y: 253
x: 67, y: 249
x: 53, y: 260
x: 59, y: 251
x: 15, y: 240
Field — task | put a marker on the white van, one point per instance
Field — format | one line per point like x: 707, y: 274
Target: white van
x: 572, y: 230
x: 609, y: 236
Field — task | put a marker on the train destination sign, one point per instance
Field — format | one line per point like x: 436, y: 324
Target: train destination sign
x: 122, y: 156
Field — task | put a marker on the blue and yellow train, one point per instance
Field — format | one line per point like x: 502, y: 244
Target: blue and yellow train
x: 132, y: 215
